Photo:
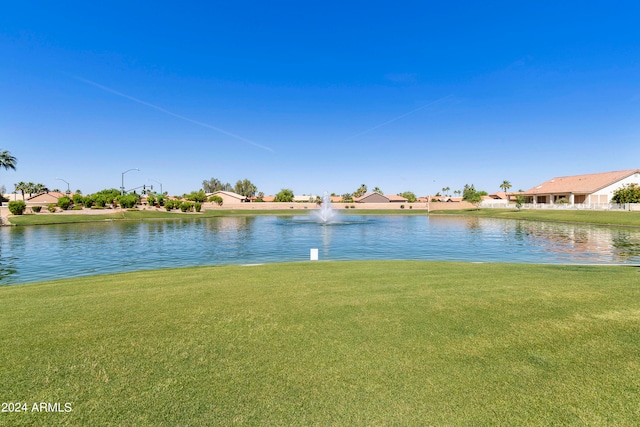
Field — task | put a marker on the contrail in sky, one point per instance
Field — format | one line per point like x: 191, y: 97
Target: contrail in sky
x: 178, y: 116
x: 401, y: 116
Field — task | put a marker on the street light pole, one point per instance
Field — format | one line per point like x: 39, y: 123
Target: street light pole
x: 122, y: 188
x: 68, y: 189
x: 158, y: 183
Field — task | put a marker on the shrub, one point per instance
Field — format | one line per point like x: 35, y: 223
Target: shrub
x: 216, y: 199
x: 401, y: 206
x: 100, y: 201
x: 78, y: 199
x: 199, y: 196
x: 76, y: 208
x: 17, y: 207
x: 198, y: 206
x: 52, y: 207
x: 64, y: 202
x: 562, y: 201
x: 186, y: 206
x: 128, y: 201
x: 36, y: 209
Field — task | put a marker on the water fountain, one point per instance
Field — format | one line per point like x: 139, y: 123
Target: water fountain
x: 326, y: 214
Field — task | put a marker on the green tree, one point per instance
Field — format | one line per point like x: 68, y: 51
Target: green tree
x: 216, y: 199
x: 214, y: 184
x: 469, y: 194
x: 245, y: 188
x: 629, y: 193
x: 506, y: 185
x: 77, y: 199
x: 22, y: 187
x: 128, y: 201
x: 445, y: 190
x: 285, y: 195
x: 64, y: 202
x: 39, y: 188
x: 7, y: 161
x: 411, y: 197
x: 196, y: 196
x: 360, y: 191
x: 519, y: 201
x: 378, y: 190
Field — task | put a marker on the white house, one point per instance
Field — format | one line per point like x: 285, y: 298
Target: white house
x: 596, y: 188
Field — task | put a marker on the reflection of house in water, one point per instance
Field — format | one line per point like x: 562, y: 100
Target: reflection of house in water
x: 581, y: 241
x: 230, y: 224
x: 596, y: 188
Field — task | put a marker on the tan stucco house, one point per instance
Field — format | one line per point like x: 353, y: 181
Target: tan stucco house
x: 229, y: 197
x: 379, y: 198
x: 596, y: 188
x: 45, y: 198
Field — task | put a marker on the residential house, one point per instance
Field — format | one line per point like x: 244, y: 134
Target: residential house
x: 46, y: 198
x: 229, y: 197
x: 596, y: 188
x: 379, y: 198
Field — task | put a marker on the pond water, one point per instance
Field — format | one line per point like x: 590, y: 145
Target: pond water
x: 29, y: 254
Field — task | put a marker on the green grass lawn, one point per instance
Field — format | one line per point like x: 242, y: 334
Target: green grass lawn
x: 622, y: 218
x: 327, y: 343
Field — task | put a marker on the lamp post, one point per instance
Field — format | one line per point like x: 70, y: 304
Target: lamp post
x: 161, y: 193
x: 122, y: 188
x: 68, y: 189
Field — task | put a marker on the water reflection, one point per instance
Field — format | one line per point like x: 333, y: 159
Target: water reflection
x: 40, y: 253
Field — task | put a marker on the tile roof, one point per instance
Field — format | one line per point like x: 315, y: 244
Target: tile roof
x: 586, y: 184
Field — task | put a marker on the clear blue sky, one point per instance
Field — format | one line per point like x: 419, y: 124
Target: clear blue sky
x: 315, y: 96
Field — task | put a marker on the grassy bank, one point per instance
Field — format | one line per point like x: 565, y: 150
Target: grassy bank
x: 592, y: 217
x: 349, y: 343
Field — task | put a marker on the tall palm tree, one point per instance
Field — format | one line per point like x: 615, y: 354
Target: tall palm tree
x: 21, y: 187
x: 7, y: 161
x: 506, y: 185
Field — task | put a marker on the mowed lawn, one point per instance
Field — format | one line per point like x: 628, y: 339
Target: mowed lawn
x: 327, y: 343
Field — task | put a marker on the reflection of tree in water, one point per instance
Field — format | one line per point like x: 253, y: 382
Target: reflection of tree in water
x: 580, y: 240
x: 473, y: 223
x: 231, y: 224
x: 627, y: 244
x: 7, y: 268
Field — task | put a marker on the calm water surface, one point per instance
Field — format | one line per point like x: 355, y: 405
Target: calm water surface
x: 29, y: 254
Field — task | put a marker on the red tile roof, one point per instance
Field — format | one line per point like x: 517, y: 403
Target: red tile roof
x: 585, y: 184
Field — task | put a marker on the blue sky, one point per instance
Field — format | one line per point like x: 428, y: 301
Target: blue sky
x: 318, y: 96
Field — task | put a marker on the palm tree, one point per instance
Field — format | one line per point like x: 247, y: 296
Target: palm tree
x: 360, y: 191
x: 39, y: 188
x: 21, y: 187
x: 506, y: 185
x: 7, y: 161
